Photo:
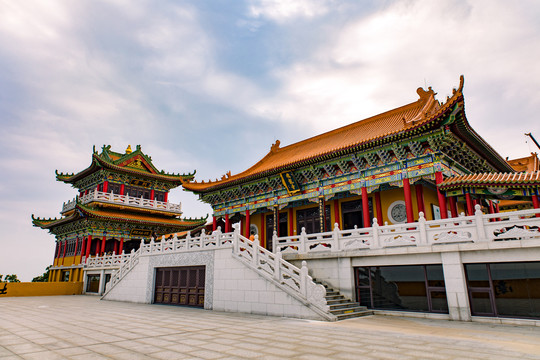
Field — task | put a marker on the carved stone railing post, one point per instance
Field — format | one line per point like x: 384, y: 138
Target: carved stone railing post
x: 422, y: 229
x: 255, y: 247
x: 335, y: 238
x: 277, y: 266
x: 478, y: 217
x: 275, y: 242
x: 203, y: 234
x: 375, y: 235
x: 236, y: 244
x: 303, y: 278
x: 302, y: 245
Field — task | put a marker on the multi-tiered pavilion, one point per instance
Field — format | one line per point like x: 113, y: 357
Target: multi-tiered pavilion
x: 123, y: 199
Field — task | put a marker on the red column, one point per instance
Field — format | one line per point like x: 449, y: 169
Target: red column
x: 378, y: 207
x: 88, y: 245
x: 214, y: 223
x: 536, y: 203
x: 247, y: 224
x: 83, y: 246
x: 408, y: 200
x: 227, y: 223
x: 103, y: 245
x: 122, y: 189
x: 58, y: 248
x: 121, y: 248
x: 365, y: 207
x: 491, y: 208
x: 152, y: 194
x: 470, y: 207
x: 291, y: 219
x: 497, y: 208
x: 166, y: 197
x: 453, y: 206
x: 440, y: 196
x: 116, y: 247
x: 336, y: 214
x: 420, y: 198
x: 105, y: 186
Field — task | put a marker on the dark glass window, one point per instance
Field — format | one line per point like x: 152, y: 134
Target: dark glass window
x: 408, y: 287
x: 504, y: 289
x: 92, y: 283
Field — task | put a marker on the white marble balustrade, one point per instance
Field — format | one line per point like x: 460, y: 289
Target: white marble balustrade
x: 126, y: 200
x: 516, y: 225
x: 295, y: 281
x: 106, y: 261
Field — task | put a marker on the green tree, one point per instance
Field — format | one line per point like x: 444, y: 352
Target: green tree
x: 44, y: 277
x: 11, y: 278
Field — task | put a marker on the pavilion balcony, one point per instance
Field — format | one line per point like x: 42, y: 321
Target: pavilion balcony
x: 124, y: 200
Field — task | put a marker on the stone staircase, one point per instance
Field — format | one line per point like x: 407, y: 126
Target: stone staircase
x: 341, y: 307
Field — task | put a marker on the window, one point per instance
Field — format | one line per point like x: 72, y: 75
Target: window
x: 408, y: 287
x: 310, y: 220
x: 352, y: 214
x: 504, y: 289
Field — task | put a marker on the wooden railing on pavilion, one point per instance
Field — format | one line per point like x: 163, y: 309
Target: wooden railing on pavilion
x: 125, y: 200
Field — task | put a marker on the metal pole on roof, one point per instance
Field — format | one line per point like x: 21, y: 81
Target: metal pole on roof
x: 533, y: 139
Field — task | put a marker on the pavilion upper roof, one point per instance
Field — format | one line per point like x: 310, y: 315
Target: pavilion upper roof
x: 131, y: 162
x: 421, y: 115
x: 119, y: 216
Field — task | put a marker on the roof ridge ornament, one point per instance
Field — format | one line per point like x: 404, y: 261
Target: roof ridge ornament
x: 275, y: 147
x: 128, y: 149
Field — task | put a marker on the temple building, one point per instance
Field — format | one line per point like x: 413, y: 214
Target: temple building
x: 385, y: 167
x: 122, y: 199
x: 407, y: 211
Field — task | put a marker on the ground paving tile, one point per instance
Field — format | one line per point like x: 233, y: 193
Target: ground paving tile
x: 83, y: 327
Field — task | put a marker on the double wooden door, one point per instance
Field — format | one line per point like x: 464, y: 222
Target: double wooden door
x: 180, y: 286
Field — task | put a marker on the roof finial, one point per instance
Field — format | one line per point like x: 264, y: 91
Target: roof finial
x: 128, y: 149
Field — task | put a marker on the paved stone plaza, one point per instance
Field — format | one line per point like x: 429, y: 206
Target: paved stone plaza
x: 83, y: 327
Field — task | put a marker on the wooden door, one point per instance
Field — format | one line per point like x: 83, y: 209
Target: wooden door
x: 180, y: 286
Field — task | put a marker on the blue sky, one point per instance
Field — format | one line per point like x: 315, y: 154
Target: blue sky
x: 210, y: 85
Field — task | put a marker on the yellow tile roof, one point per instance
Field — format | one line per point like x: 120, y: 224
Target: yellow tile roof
x: 492, y: 179
x: 392, y: 122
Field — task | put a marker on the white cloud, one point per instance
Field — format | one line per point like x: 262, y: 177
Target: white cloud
x: 287, y: 10
x: 374, y: 64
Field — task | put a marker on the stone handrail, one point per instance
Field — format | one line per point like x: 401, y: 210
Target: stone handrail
x: 125, y: 268
x: 516, y: 225
x: 106, y: 261
x: 125, y: 200
x: 293, y: 280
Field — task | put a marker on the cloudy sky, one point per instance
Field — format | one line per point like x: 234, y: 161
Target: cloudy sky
x: 210, y: 85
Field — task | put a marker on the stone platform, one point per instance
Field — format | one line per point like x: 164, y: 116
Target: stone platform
x: 83, y: 327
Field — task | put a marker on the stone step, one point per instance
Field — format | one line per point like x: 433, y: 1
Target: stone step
x: 345, y: 305
x: 338, y: 301
x: 354, y: 314
x: 341, y: 307
x: 348, y: 310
